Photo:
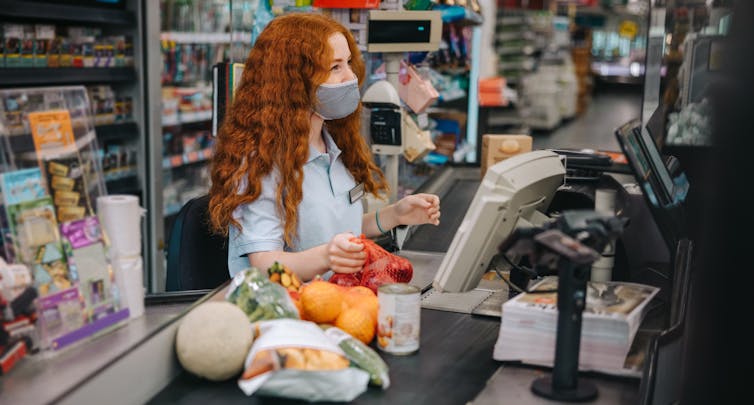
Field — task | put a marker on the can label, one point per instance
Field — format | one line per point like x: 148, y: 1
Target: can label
x: 398, y: 318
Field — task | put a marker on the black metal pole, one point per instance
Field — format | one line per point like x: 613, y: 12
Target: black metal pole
x: 564, y: 384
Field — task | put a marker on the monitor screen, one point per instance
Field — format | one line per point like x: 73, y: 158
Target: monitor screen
x: 514, y: 192
x: 647, y: 164
x: 381, y: 31
x: 404, y: 31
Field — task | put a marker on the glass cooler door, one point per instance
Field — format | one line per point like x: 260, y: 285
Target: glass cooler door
x: 186, y: 38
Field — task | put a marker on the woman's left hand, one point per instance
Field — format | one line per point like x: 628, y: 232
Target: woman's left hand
x: 417, y: 209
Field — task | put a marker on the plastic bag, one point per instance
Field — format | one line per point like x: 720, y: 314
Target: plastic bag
x: 258, y: 297
x: 361, y: 356
x: 295, y: 359
x: 381, y: 267
x: 417, y: 92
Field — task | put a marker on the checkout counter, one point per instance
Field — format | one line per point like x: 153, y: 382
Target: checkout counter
x: 137, y: 363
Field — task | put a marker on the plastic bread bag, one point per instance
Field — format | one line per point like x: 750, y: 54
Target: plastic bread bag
x: 295, y: 359
x: 258, y: 297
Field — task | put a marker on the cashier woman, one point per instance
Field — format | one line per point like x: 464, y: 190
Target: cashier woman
x: 291, y: 168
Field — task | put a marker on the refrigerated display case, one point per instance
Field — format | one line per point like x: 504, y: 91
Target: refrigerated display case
x: 185, y: 38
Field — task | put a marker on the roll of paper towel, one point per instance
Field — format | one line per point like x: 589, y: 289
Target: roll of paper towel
x: 129, y: 277
x: 120, y: 216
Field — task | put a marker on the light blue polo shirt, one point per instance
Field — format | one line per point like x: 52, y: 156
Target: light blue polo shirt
x: 324, y: 211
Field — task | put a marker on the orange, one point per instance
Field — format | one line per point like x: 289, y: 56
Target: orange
x: 358, y: 323
x: 361, y: 290
x: 321, y: 302
x: 362, y: 297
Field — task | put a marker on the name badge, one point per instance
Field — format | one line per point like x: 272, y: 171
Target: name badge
x: 356, y: 193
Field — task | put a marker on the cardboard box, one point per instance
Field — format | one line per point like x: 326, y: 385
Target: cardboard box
x: 496, y: 148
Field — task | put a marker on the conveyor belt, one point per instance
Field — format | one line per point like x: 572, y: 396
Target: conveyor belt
x: 456, y: 190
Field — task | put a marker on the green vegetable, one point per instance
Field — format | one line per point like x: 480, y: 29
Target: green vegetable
x: 361, y: 356
x: 259, y: 298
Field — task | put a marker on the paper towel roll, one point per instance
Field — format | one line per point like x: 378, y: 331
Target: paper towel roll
x: 604, y: 201
x: 129, y: 277
x: 120, y: 216
x: 602, y: 269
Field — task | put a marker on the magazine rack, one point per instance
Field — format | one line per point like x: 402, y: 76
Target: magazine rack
x: 50, y: 177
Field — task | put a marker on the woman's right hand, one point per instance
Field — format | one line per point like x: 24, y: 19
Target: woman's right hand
x: 345, y: 256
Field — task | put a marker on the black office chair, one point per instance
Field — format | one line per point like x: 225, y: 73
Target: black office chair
x: 197, y: 258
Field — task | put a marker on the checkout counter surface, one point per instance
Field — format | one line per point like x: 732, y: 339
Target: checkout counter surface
x: 454, y: 364
x: 137, y: 363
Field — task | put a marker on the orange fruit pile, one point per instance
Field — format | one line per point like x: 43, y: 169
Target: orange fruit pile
x: 352, y: 309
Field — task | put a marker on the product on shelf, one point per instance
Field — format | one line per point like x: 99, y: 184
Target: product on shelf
x: 183, y: 105
x: 13, y: 36
x: 119, y: 159
x: 44, y: 34
x: 109, y: 107
x: 47, y: 45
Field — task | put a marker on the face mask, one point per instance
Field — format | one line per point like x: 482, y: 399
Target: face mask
x: 337, y: 101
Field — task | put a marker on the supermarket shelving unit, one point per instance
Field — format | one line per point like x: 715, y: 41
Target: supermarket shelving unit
x: 129, y: 81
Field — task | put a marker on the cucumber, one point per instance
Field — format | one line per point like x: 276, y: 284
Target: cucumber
x: 361, y: 356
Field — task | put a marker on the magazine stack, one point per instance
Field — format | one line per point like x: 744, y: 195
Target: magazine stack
x: 611, y: 319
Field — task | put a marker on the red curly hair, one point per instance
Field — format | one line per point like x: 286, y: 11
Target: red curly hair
x: 267, y: 127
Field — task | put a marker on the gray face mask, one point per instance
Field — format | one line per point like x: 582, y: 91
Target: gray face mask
x: 337, y: 101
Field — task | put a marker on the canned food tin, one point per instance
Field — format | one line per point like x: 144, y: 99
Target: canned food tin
x: 398, y: 318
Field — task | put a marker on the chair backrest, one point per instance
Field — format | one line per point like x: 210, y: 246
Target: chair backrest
x: 197, y: 258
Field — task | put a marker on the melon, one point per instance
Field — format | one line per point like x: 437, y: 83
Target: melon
x: 213, y: 340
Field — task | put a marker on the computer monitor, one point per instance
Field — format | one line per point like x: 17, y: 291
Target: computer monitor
x: 664, y: 193
x: 514, y: 192
x: 404, y: 31
x: 648, y: 166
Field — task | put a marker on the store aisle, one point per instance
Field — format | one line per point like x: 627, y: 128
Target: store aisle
x: 611, y: 106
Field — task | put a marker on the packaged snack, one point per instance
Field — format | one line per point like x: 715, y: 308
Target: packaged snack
x: 59, y: 183
x: 43, y: 34
x: 66, y: 53
x: 66, y: 198
x: 57, y: 169
x: 253, y: 292
x: 53, y: 52
x: 68, y: 214
x: 27, y: 46
x: 295, y: 359
x: 13, y: 35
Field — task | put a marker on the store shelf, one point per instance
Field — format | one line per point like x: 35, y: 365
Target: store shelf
x: 24, y: 143
x: 515, y: 50
x: 120, y: 174
x: 47, y: 11
x: 458, y: 15
x: 204, y: 37
x: 10, y: 77
x: 174, y: 161
x: 511, y: 20
x: 449, y: 95
x: 124, y: 185
x: 186, y: 118
x: 503, y: 120
x: 117, y: 131
x: 514, y: 36
x: 453, y: 71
